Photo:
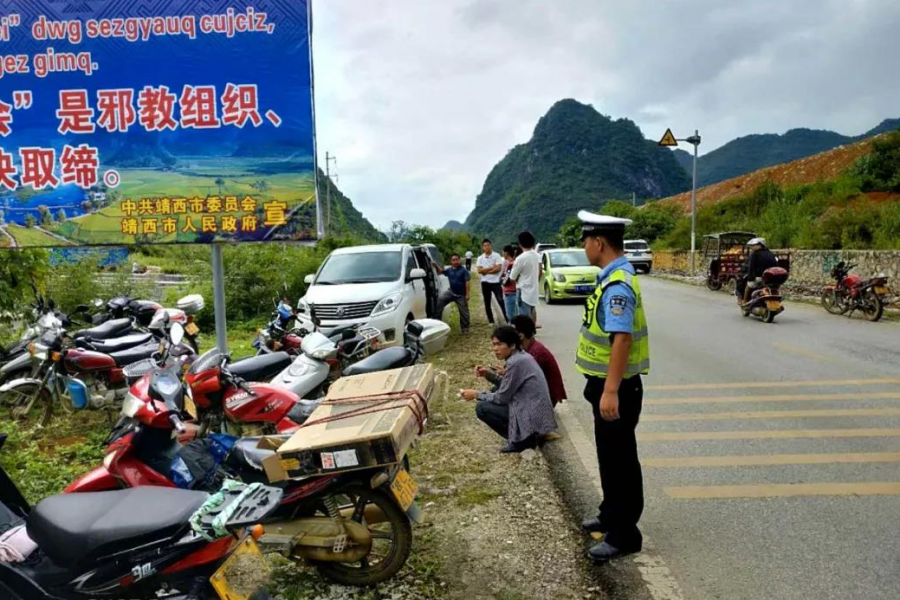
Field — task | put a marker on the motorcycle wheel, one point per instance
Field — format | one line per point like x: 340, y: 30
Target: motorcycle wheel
x: 15, y: 403
x: 872, y: 307
x: 17, y: 374
x: 391, y: 539
x: 768, y: 316
x: 713, y: 284
x: 831, y: 304
x: 731, y: 286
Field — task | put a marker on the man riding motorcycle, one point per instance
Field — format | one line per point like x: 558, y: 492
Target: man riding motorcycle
x: 759, y: 259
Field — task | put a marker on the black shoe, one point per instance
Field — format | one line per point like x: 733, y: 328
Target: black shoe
x: 511, y: 448
x: 604, y: 551
x: 593, y: 525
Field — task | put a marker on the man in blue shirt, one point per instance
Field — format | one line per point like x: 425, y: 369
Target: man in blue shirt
x: 459, y: 291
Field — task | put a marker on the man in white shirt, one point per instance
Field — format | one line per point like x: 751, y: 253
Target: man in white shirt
x: 488, y: 265
x: 527, y: 274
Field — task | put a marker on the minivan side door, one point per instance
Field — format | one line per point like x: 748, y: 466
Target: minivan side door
x: 417, y: 286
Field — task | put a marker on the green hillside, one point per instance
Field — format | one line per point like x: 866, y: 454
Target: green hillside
x: 576, y: 158
x: 346, y: 221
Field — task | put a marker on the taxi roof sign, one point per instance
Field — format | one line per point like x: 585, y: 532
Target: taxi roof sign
x: 668, y: 139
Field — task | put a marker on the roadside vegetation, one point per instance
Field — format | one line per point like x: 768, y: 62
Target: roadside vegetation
x: 860, y: 209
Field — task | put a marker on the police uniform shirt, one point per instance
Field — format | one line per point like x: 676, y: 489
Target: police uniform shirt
x: 616, y: 313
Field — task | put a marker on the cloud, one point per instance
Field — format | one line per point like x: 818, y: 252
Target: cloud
x: 419, y: 100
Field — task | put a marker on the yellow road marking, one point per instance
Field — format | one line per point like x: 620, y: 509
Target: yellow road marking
x: 769, y: 384
x: 803, y: 352
x: 778, y: 414
x: 763, y: 460
x: 850, y: 396
x: 783, y: 490
x: 656, y: 436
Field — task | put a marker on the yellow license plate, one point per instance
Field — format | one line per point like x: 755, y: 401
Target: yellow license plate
x: 243, y: 573
x: 189, y: 407
x: 404, y: 489
x: 192, y: 329
x: 773, y: 304
x: 881, y: 290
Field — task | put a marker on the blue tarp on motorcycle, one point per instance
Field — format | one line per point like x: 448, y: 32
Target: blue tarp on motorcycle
x: 197, y: 462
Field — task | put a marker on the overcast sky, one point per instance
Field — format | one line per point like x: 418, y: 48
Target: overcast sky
x: 419, y: 99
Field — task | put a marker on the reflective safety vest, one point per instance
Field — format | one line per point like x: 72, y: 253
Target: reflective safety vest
x: 594, y: 344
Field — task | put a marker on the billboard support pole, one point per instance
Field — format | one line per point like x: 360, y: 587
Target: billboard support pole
x: 218, y: 277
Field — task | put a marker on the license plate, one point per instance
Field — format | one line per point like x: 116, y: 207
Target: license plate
x: 773, y: 304
x: 192, y: 329
x: 584, y: 289
x: 404, y: 489
x: 881, y: 290
x: 189, y: 407
x: 243, y: 573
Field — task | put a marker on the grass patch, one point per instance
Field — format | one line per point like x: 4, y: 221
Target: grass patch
x: 477, y: 495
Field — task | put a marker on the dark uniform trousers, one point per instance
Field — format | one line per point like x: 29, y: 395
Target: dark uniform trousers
x: 620, y: 470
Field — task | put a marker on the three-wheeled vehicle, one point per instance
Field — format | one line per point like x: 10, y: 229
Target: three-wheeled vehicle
x: 726, y: 253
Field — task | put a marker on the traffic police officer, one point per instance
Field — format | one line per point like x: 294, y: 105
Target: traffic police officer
x: 613, y: 353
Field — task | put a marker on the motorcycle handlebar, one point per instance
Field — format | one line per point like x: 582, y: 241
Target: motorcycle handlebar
x: 177, y: 423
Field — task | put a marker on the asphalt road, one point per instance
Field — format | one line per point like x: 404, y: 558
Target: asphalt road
x: 771, y: 453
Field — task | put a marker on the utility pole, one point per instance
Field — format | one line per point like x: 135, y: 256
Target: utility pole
x: 328, y: 160
x: 633, y: 199
x: 695, y: 140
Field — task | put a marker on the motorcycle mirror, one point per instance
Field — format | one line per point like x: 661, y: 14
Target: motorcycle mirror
x: 176, y: 333
x: 98, y: 302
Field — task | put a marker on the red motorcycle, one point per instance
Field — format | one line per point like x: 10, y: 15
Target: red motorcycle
x: 353, y: 526
x: 851, y: 293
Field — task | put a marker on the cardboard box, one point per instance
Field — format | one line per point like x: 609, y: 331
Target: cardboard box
x: 380, y: 436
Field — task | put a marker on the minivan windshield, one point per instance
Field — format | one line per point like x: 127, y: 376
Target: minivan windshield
x: 362, y: 267
x: 569, y: 258
x: 636, y: 246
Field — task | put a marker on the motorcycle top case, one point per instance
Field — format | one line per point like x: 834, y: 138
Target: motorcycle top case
x: 434, y: 335
x: 378, y: 433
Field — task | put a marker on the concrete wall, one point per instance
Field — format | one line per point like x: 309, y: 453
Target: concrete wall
x: 809, y: 268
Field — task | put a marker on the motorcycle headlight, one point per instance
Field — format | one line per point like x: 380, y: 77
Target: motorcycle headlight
x: 38, y: 351
x: 323, y: 353
x: 131, y: 405
x: 387, y: 304
x: 559, y: 278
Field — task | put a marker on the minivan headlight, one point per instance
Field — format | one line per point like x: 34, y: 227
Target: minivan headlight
x: 387, y: 304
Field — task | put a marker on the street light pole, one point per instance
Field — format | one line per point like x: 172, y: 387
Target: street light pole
x: 695, y: 140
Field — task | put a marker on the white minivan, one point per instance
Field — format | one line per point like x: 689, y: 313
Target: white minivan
x: 384, y: 286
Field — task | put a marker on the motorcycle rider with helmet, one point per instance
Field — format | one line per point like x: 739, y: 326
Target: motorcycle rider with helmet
x: 759, y: 259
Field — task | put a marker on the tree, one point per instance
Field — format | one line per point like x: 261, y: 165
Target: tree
x: 219, y: 183
x: 18, y: 271
x: 570, y: 233
x: 398, y: 232
x: 29, y: 220
x: 61, y: 215
x: 261, y: 186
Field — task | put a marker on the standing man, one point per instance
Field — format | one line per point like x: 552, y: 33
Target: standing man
x: 526, y: 272
x: 458, y: 292
x: 489, y: 265
x: 613, y: 353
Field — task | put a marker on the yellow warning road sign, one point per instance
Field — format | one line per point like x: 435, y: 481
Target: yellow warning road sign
x: 668, y: 139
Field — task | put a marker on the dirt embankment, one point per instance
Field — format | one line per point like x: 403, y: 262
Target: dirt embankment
x: 822, y: 166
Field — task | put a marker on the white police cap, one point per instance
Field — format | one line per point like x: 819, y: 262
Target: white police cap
x: 593, y: 224
x: 757, y: 241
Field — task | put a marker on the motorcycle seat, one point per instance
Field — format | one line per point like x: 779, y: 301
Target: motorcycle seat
x: 389, y: 358
x: 245, y: 453
x: 262, y: 367
x: 104, y: 331
x: 129, y: 356
x: 120, y: 343
x: 74, y: 528
x: 332, y: 332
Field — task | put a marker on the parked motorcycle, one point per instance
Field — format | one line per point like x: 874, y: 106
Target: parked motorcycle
x: 851, y: 293
x: 15, y: 361
x: 765, y: 297
x: 144, y: 543
x: 353, y: 526
x: 77, y: 378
